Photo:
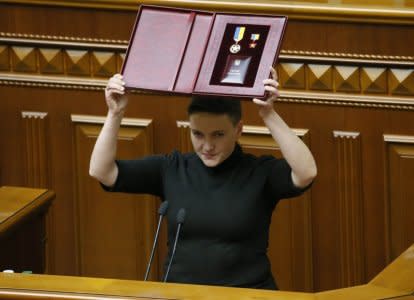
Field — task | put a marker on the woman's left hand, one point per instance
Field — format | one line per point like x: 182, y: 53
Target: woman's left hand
x: 272, y: 92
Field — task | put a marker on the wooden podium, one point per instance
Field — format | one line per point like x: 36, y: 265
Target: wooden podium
x: 394, y: 282
x: 22, y: 228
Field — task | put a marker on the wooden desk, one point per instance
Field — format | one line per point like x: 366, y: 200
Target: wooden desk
x: 22, y: 228
x: 396, y: 280
x: 399, y: 275
x: 32, y: 286
x: 21, y: 286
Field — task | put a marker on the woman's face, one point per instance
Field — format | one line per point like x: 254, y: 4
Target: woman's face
x: 213, y: 137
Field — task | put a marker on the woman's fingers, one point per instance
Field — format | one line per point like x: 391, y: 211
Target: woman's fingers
x: 116, y: 85
x: 272, y: 90
x: 260, y: 102
x: 274, y: 73
x: 271, y: 82
x: 112, y: 86
x: 117, y: 79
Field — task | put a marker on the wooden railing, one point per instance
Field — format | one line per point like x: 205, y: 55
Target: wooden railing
x: 393, y: 281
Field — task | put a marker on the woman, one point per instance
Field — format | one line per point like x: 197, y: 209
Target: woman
x: 228, y: 195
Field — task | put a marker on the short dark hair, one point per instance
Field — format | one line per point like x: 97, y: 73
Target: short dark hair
x: 217, y: 105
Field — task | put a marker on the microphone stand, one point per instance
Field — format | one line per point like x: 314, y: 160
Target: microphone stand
x: 180, y: 221
x: 161, y: 211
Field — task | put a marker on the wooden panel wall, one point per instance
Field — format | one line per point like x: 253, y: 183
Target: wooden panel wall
x: 114, y: 232
x: 347, y: 88
x: 400, y: 192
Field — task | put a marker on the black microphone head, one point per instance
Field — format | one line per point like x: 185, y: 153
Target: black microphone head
x: 163, y: 208
x: 181, y: 216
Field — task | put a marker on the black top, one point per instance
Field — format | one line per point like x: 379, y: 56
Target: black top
x: 224, y: 238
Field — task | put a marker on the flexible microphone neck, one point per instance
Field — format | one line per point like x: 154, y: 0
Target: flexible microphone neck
x: 180, y: 222
x: 162, y: 210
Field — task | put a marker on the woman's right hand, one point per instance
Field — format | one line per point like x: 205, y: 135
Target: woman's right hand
x: 115, y: 96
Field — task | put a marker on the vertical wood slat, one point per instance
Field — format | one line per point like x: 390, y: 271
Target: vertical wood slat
x: 35, y: 132
x: 302, y: 234
x: 36, y: 146
x: 350, y: 208
x: 184, y: 136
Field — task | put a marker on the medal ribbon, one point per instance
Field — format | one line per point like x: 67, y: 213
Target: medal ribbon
x: 255, y: 37
x: 238, y: 33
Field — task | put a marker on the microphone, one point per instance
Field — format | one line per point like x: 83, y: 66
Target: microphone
x: 180, y: 222
x: 161, y: 211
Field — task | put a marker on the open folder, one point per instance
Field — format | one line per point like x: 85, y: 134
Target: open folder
x: 200, y: 52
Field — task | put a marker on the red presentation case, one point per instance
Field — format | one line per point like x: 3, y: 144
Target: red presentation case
x: 182, y: 51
